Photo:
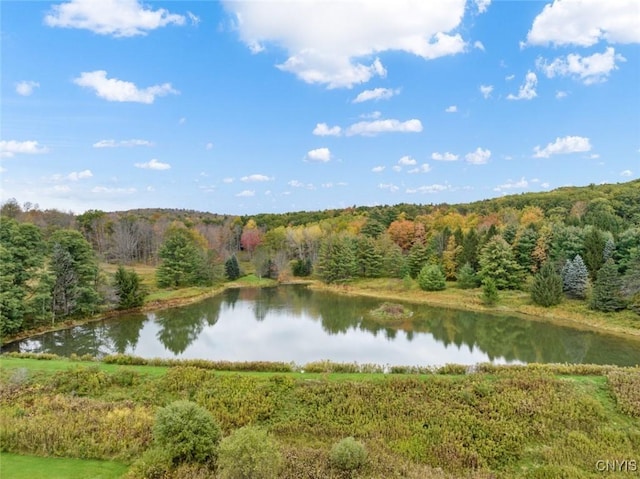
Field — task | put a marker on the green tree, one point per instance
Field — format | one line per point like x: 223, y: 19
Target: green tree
x: 498, y: 263
x: 467, y: 277
x: 232, y: 268
x: 449, y: 257
x: 186, y: 432
x: 418, y: 257
x: 607, y: 289
x: 21, y: 256
x: 546, y: 289
x: 74, y: 270
x: 489, y: 291
x: 368, y: 258
x: 594, y: 243
x: 575, y: 278
x: 249, y: 453
x: 470, y: 245
x: 525, y: 244
x: 336, y: 259
x: 631, y: 282
x: 183, y: 259
x: 431, y: 278
x: 128, y: 288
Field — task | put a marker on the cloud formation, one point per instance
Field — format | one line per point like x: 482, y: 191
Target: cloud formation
x: 10, y: 148
x: 486, y: 90
x: 324, y: 45
x: 112, y: 89
x: 590, y: 69
x: 372, y: 128
x: 118, y: 18
x: 26, y: 87
x: 121, y: 143
x: 322, y: 129
x: 153, y: 165
x: 478, y: 157
x: 585, y: 23
x: 376, y: 94
x: 255, y: 178
x: 246, y: 194
x: 563, y: 146
x: 451, y: 109
x: 443, y: 156
x: 319, y: 154
x: 527, y: 89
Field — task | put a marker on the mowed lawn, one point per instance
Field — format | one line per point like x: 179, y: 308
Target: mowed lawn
x: 13, y: 466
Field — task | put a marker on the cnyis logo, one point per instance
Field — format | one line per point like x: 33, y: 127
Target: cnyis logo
x: 617, y: 465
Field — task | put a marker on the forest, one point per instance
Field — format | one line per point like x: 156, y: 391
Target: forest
x: 581, y: 243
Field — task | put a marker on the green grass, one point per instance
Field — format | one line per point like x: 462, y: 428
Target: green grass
x: 14, y: 466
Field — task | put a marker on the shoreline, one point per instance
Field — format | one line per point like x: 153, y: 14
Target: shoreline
x: 451, y: 298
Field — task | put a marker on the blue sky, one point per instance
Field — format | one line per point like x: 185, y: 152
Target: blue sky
x: 244, y: 107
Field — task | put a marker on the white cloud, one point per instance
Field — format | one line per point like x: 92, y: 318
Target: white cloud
x: 246, y: 193
x: 79, y: 175
x: 112, y: 89
x: 451, y: 109
x: 227, y: 180
x: 478, y: 44
x: 561, y: 94
x: 509, y: 77
x: 585, y: 23
x: 510, y: 185
x: 626, y: 173
x: 407, y: 161
x: 322, y: 129
x: 435, y: 188
x: 123, y: 143
x: 61, y: 189
x: 396, y: 168
x: 592, y: 69
x: 527, y: 90
x: 423, y: 168
x: 376, y: 94
x: 113, y: 191
x: 295, y: 184
x: 486, y: 90
x: 372, y: 128
x: 10, y: 148
x: 388, y: 186
x: 119, y: 18
x: 478, y: 157
x: 324, y: 44
x: 255, y: 178
x: 482, y: 5
x: 378, y: 169
x: 443, y: 156
x: 563, y: 146
x: 26, y: 87
x: 153, y: 165
x: 374, y: 115
x: 319, y: 154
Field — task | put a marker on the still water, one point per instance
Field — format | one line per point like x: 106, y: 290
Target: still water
x: 294, y: 323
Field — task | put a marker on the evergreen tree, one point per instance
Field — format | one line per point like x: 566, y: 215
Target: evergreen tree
x: 302, y: 267
x: 489, y: 291
x: 467, y: 277
x: 525, y: 244
x: 431, y: 278
x: 128, y: 288
x: 575, y: 278
x: 417, y: 258
x: 498, y: 263
x: 183, y: 259
x: 469, y: 253
x: 607, y: 289
x: 232, y: 268
x: 631, y: 282
x: 368, y: 258
x: 547, y: 286
x: 594, y: 243
x: 449, y: 257
x: 609, y: 249
x: 337, y: 259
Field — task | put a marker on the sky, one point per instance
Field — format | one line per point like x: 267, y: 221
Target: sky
x: 246, y: 107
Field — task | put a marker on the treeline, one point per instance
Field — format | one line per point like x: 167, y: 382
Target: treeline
x: 580, y: 242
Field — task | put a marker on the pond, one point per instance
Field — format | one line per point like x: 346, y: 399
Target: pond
x: 294, y: 323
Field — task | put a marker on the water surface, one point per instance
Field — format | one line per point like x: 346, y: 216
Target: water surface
x: 294, y: 323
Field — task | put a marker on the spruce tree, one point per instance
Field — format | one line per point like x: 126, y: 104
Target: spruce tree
x: 594, y: 244
x: 547, y: 286
x: 467, y: 277
x: 337, y: 259
x: 232, y: 268
x: 489, y: 292
x: 498, y: 263
x: 575, y: 278
x: 607, y: 289
x: 431, y: 278
x: 128, y: 288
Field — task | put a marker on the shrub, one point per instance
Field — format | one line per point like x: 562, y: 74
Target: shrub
x: 467, y: 277
x: 249, y: 453
x: 431, y: 278
x: 153, y: 464
x: 186, y: 432
x: 348, y: 454
x: 489, y: 292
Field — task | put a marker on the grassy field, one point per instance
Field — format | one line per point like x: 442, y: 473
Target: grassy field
x: 13, y: 466
x: 502, y: 422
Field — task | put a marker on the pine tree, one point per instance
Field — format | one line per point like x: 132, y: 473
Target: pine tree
x: 525, y: 244
x: 489, y: 292
x: 128, y: 288
x: 232, y: 268
x: 594, y: 243
x: 368, y: 258
x: 183, y: 259
x: 575, y: 278
x: 467, y: 277
x: 607, y: 289
x: 417, y: 258
x: 449, y: 257
x: 431, y: 278
x: 337, y: 259
x: 498, y: 263
x: 609, y: 249
x: 547, y: 286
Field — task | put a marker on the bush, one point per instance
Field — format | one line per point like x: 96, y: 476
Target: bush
x: 348, y: 454
x: 153, y: 464
x: 186, y: 432
x: 249, y: 453
x: 467, y: 277
x: 489, y: 292
x: 431, y: 278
